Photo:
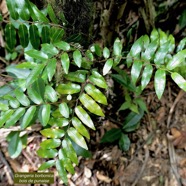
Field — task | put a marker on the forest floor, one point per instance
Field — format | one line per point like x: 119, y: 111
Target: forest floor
x: 156, y: 156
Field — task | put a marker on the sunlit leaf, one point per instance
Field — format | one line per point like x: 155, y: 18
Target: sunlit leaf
x: 53, y: 133
x: 5, y: 116
x: 52, y: 14
x: 62, y: 45
x: 136, y: 70
x: 65, y: 62
x: 69, y: 88
x: 146, y: 75
x: 36, y: 54
x: 51, y: 94
x: 51, y: 68
x: 64, y: 110
x: 21, y: 97
x: 49, y: 49
x: 50, y: 143
x: 44, y: 114
x: 77, y: 58
x: 47, y: 153
x: 107, y: 66
x: 117, y: 48
x: 179, y: 80
x: 106, y: 53
x: 47, y: 165
x: 61, y: 171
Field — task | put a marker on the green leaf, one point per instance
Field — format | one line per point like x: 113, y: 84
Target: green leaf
x: 36, y: 91
x: 51, y: 68
x: 15, y: 117
x: 45, y: 34
x: 79, y: 127
x: 49, y: 49
x: 154, y: 35
x: 179, y: 80
x: 47, y: 153
x: 27, y: 118
x: 177, y: 60
x: 77, y: 76
x: 15, y: 145
x: 125, y: 105
x: 146, y: 75
x: 12, y: 9
x: 23, y: 35
x: 26, y: 65
x: 52, y: 14
x: 60, y: 122
x: 124, y: 142
x: 44, y: 114
x: 24, y: 13
x: 107, y: 66
x: 21, y: 97
x: 69, y: 88
x: 65, y: 62
x: 64, y: 110
x: 37, y: 54
x: 35, y: 13
x: 47, y: 165
x: 132, y: 120
x: 68, y: 148
x: 89, y: 55
x: 10, y: 36
x: 51, y: 94
x: 111, y: 136
x: 106, y: 53
x: 3, y: 107
x: 137, y: 47
x: 62, y: 45
x: 159, y: 82
x: 56, y: 34
x: 84, y: 117
x: 91, y: 105
x: 34, y: 36
x: 61, y: 171
x: 77, y: 58
x: 50, y: 143
x: 97, y: 49
x: 136, y: 70
x: 117, y: 49
x: 52, y: 133
x: 181, y: 45
x: 96, y: 94
x: 5, y: 116
x: 77, y: 138
x: 34, y: 74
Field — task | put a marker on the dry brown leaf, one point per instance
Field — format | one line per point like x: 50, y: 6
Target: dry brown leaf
x: 102, y: 177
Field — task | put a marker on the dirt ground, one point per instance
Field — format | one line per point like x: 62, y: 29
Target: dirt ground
x: 156, y: 157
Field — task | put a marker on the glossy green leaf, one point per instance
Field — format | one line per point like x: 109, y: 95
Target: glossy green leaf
x: 177, y: 60
x: 10, y: 36
x: 117, y: 48
x: 15, y: 145
x: 154, y: 35
x: 79, y: 127
x: 96, y: 94
x: 23, y: 11
x: 77, y: 138
x: 69, y: 88
x: 44, y: 114
x: 132, y: 120
x: 89, y: 55
x: 136, y: 70
x: 77, y: 58
x: 51, y: 68
x: 26, y: 65
x: 97, y: 49
x: 23, y: 35
x: 12, y: 9
x: 52, y: 14
x: 65, y: 62
x: 3, y: 107
x: 146, y: 75
x: 45, y: 34
x: 60, y: 122
x: 107, y: 66
x: 35, y: 13
x: 34, y: 74
x: 84, y: 117
x: 106, y: 53
x: 159, y: 82
x: 137, y: 47
x: 37, y: 54
x: 36, y: 91
x: 34, y: 36
x: 111, y: 135
x: 47, y: 153
x: 21, y: 97
x: 47, y: 165
x: 68, y: 148
x: 77, y: 76
x: 179, y: 80
x: 61, y: 171
x: 124, y: 142
x: 125, y: 105
x: 50, y: 143
x: 15, y: 117
x: 64, y: 110
x: 62, y: 45
x: 91, y: 105
x: 53, y: 133
x: 56, y: 34
x: 5, y: 116
x: 49, y: 49
x: 181, y: 45
x: 51, y: 94
x: 159, y: 57
x: 27, y: 118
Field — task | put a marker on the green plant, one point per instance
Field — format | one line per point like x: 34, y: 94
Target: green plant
x: 60, y: 84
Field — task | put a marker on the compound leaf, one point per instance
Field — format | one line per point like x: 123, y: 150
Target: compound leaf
x: 53, y: 133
